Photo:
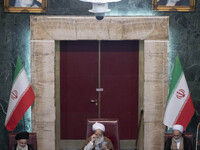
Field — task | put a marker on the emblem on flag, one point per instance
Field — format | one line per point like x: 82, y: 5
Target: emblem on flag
x: 180, y: 94
x: 14, y: 95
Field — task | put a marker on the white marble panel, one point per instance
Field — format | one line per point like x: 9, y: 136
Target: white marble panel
x: 110, y: 28
x: 155, y: 98
x: 45, y: 135
x: 154, y: 136
x: 156, y: 61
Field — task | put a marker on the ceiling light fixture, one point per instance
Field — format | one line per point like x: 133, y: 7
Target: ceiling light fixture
x: 100, y: 7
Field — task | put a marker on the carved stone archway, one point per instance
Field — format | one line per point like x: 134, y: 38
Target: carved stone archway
x: 46, y: 30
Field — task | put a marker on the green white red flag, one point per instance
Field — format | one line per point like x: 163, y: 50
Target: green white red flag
x: 180, y: 108
x: 21, y: 97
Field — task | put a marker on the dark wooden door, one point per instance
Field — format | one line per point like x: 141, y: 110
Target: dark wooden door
x: 79, y: 80
x: 119, y: 79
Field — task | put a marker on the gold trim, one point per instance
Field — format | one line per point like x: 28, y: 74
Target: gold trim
x: 8, y: 8
x: 157, y: 7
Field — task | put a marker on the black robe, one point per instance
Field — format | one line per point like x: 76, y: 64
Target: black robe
x: 186, y: 143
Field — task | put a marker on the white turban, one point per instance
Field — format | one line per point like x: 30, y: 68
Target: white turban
x: 97, y: 126
x: 178, y: 127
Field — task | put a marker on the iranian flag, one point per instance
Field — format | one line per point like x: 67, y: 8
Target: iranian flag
x: 21, y: 97
x: 180, y: 108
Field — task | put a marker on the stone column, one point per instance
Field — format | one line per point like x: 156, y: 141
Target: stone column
x: 155, y: 92
x: 43, y: 82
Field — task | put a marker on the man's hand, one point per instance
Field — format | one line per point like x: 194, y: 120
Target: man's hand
x: 104, y: 148
x: 93, y: 137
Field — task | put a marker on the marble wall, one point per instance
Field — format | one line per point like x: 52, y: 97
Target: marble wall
x: 183, y: 40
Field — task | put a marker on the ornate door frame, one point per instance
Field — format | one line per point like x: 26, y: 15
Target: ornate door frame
x: 46, y: 30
